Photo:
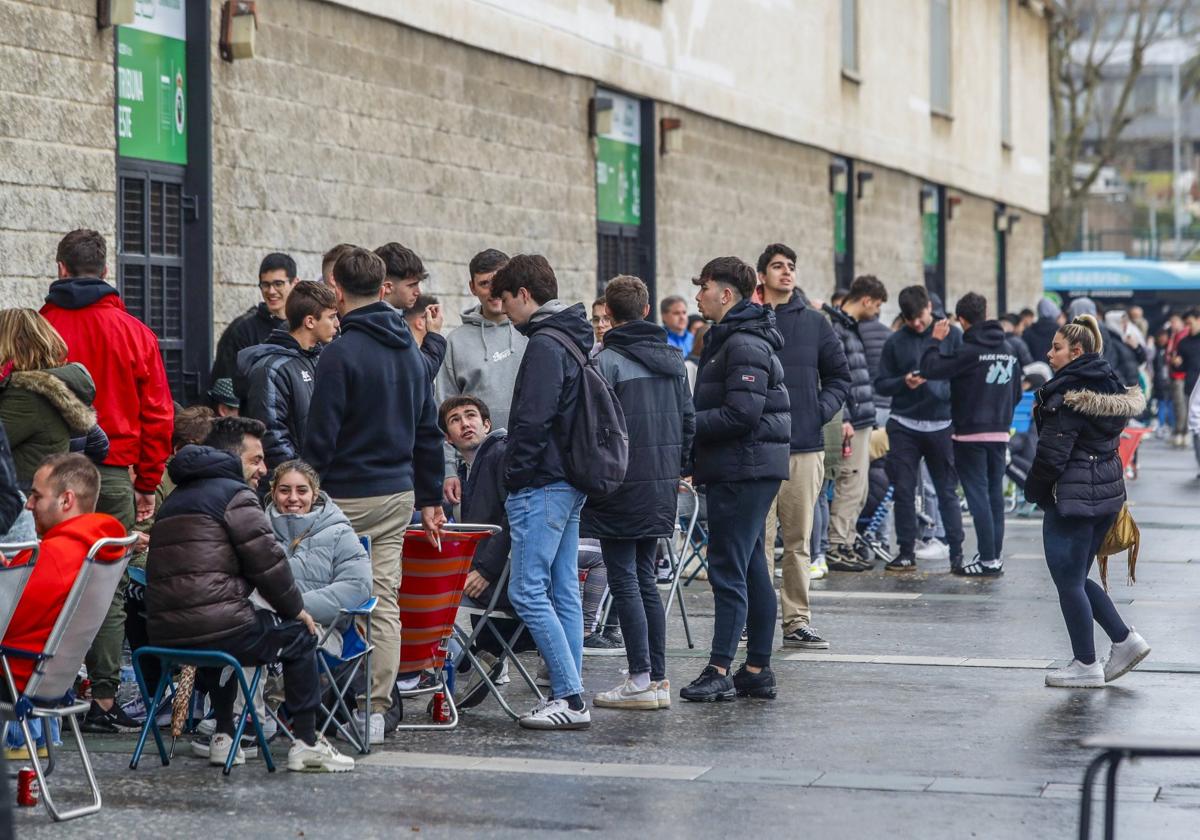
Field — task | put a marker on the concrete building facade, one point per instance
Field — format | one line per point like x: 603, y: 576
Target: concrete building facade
x: 905, y: 139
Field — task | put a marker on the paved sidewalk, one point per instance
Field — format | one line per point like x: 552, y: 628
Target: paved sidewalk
x: 927, y: 718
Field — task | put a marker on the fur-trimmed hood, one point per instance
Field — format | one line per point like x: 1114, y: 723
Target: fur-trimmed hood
x: 69, y: 389
x: 1129, y: 403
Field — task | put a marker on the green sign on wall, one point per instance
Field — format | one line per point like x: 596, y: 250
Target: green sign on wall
x: 152, y: 83
x: 619, y: 163
x: 839, y: 224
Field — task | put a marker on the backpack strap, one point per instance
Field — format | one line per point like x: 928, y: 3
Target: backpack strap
x: 565, y: 340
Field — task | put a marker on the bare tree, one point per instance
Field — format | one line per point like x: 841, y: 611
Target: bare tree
x: 1097, y: 47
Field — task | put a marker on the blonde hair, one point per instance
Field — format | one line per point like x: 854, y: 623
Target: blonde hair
x: 1083, y: 332
x: 302, y: 467
x: 29, y: 341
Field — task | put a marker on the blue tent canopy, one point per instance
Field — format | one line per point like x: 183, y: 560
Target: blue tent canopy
x: 1105, y: 273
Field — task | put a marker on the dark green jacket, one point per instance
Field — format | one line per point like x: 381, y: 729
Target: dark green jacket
x: 42, y: 410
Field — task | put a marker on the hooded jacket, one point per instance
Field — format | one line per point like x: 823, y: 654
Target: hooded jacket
x: 1080, y: 415
x: 985, y: 381
x: 42, y: 410
x: 860, y: 401
x: 329, y: 564
x: 1039, y: 336
x: 650, y: 382
x: 483, y: 497
x: 60, y: 557
x: 815, y: 371
x: 546, y: 391
x: 275, y: 382
x: 743, y: 417
x: 901, y: 356
x: 252, y: 327
x: 133, y: 400
x: 372, y: 426
x: 210, y: 547
x: 11, y: 500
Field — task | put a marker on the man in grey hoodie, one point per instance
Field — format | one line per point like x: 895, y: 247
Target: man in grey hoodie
x: 482, y: 357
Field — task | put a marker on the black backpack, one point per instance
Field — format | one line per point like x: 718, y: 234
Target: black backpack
x: 597, y: 441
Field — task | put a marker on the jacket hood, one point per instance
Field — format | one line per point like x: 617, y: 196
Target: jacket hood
x: 570, y: 319
x: 55, y: 384
x: 86, y: 529
x: 796, y: 303
x: 290, y: 527
x: 1089, y: 372
x: 382, y: 321
x: 1129, y: 403
x: 839, y: 317
x: 646, y: 343
x: 985, y: 334
x: 473, y: 315
x: 78, y: 292
x: 193, y: 463
x: 752, y: 318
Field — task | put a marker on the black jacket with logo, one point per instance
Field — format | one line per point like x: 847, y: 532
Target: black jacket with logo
x: 743, y: 416
x: 275, y: 383
x: 901, y: 356
x: 985, y: 380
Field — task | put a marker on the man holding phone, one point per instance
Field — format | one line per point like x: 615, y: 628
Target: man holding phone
x: 425, y: 321
x: 919, y: 427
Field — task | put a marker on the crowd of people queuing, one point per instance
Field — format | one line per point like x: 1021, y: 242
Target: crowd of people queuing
x: 338, y: 410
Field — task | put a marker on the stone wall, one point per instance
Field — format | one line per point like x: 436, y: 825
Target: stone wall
x: 731, y: 191
x: 1025, y: 245
x: 57, y: 146
x: 971, y: 252
x: 887, y: 232
x: 349, y: 128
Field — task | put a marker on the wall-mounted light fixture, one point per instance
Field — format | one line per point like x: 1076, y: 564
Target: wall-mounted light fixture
x: 114, y: 13
x: 839, y: 178
x: 953, y: 202
x: 1005, y: 221
x: 239, y: 22
x: 866, y: 184
x: 600, y: 116
x: 670, y: 136
x: 929, y: 201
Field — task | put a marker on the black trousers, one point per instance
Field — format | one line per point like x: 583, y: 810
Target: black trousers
x: 743, y: 592
x: 632, y: 580
x: 269, y: 639
x: 906, y: 449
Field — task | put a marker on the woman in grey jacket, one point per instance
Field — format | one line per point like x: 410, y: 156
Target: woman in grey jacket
x: 330, y: 565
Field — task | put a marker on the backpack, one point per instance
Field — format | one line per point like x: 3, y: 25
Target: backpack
x: 1124, y: 535
x: 597, y: 440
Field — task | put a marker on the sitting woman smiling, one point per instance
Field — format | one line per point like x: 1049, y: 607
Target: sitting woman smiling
x: 330, y: 565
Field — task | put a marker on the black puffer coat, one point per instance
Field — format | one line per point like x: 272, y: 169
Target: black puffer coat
x: 1080, y: 414
x: 874, y: 334
x: 250, y: 328
x: 651, y: 384
x: 860, y: 403
x: 743, y: 416
x: 275, y: 383
x: 814, y: 371
x: 210, y: 547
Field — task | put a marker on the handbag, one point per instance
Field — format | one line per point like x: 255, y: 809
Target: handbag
x: 1124, y: 535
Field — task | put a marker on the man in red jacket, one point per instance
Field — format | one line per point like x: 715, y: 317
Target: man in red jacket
x: 63, y: 501
x: 133, y: 406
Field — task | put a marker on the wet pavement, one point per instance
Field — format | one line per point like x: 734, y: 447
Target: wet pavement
x: 926, y: 718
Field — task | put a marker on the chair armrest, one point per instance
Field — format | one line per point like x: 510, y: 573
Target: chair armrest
x: 21, y: 653
x: 365, y: 608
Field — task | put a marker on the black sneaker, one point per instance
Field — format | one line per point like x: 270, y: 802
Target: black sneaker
x: 111, y: 722
x: 806, y: 638
x: 613, y: 634
x: 760, y: 686
x: 599, y: 644
x: 842, y: 559
x: 709, y: 687
x: 976, y: 568
x: 903, y: 563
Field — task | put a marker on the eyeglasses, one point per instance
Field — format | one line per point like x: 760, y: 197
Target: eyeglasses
x: 277, y: 285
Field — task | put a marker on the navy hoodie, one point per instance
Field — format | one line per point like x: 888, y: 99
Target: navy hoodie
x: 985, y: 380
x: 372, y: 425
x: 901, y: 356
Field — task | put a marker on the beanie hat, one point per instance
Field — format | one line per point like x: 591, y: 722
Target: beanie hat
x: 1047, y: 308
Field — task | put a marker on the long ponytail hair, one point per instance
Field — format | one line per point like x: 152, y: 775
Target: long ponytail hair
x: 1083, y: 332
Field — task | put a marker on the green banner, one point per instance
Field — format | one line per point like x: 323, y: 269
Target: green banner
x: 618, y: 182
x: 151, y: 96
x: 839, y: 224
x: 929, y: 239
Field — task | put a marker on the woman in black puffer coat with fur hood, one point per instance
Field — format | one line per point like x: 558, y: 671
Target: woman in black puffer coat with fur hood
x: 1077, y: 479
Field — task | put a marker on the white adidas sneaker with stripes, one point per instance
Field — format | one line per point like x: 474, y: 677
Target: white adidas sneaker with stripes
x: 556, y: 714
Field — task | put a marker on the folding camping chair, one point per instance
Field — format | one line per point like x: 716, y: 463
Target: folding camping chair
x: 431, y: 590
x: 48, y: 693
x: 487, y: 616
x: 354, y: 655
x: 695, y: 544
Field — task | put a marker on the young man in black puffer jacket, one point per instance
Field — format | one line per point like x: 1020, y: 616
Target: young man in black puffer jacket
x: 863, y: 302
x: 743, y: 433
x: 985, y: 387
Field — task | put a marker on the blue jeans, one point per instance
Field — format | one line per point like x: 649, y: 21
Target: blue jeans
x: 543, y: 584
x: 981, y: 471
x: 1071, y: 543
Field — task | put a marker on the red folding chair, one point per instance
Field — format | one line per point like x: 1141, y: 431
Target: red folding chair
x: 431, y: 589
x: 1127, y: 449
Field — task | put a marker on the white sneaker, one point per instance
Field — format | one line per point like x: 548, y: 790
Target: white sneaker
x: 376, y: 733
x: 1125, y: 656
x: 817, y: 570
x: 556, y: 714
x: 933, y: 549
x: 1077, y: 675
x: 504, y: 678
x: 322, y: 758
x: 219, y: 748
x: 662, y: 690
x: 628, y: 696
